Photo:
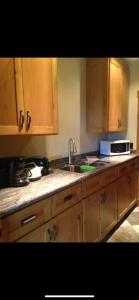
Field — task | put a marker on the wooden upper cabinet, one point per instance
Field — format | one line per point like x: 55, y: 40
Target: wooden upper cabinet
x: 124, y: 98
x: 96, y: 93
x: 114, y: 116
x: 8, y: 101
x: 28, y: 96
x: 106, y: 95
x: 40, y: 94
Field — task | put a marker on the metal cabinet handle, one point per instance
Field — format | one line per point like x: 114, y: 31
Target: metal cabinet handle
x: 68, y: 197
x: 55, y: 232
x: 21, y: 119
x: 28, y: 220
x: 28, y: 119
x: 50, y: 233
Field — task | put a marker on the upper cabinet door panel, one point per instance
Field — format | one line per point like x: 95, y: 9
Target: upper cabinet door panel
x: 8, y: 103
x: 124, y: 98
x: 114, y: 97
x: 40, y: 94
x: 96, y: 93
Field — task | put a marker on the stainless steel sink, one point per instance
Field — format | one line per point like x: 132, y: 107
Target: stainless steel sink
x: 76, y: 168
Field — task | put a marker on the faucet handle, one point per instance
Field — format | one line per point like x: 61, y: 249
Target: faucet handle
x: 74, y: 148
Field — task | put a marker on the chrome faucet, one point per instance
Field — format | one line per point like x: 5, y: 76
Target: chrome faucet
x: 72, y: 149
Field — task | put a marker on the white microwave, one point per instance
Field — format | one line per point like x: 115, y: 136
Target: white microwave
x: 118, y: 147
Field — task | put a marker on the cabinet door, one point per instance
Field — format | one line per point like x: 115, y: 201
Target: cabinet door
x: 114, y: 97
x: 124, y: 98
x: 91, y: 218
x: 133, y: 177
x: 96, y: 94
x: 67, y: 226
x: 40, y: 94
x: 108, y: 208
x: 9, y: 108
x: 40, y: 235
x: 123, y: 195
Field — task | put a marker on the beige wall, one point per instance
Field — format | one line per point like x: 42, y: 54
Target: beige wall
x: 132, y: 114
x: 72, y: 119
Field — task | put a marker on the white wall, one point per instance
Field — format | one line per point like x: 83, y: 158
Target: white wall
x: 132, y: 114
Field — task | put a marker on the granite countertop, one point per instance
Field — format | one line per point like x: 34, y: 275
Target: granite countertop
x: 12, y: 199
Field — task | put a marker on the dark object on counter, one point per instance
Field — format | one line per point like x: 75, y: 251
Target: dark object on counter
x: 12, y: 172
x: 40, y: 161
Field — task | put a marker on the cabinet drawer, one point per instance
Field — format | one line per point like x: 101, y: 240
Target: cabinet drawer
x: 109, y: 176
x: 92, y: 184
x: 20, y: 223
x: 66, y: 198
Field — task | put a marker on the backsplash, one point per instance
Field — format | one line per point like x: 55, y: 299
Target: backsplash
x: 54, y: 164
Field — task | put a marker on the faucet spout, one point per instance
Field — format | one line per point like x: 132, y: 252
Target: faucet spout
x: 71, y: 149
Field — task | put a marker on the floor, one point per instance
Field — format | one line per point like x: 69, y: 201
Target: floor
x: 128, y: 230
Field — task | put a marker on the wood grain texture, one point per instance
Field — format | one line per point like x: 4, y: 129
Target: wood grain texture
x: 107, y: 81
x: 123, y: 195
x: 109, y: 209
x: 40, y: 94
x: 66, y: 198
x: 68, y: 225
x: 13, y: 227
x: 96, y: 94
x: 114, y: 97
x: 8, y: 103
x: 39, y: 235
x: 91, y: 218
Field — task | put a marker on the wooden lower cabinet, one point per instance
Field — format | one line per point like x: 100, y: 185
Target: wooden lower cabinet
x: 99, y: 213
x: 123, y: 195
x: 41, y: 235
x: 91, y: 218
x: 67, y: 226
x: 108, y: 208
x: 126, y: 192
x: 134, y: 185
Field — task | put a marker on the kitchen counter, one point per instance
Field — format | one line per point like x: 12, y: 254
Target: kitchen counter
x: 13, y: 199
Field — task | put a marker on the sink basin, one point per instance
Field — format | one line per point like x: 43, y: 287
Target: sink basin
x: 84, y: 167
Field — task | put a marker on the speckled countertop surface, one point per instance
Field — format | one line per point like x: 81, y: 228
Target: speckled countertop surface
x: 13, y: 199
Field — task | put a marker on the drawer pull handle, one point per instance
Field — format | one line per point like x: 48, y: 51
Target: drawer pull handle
x: 50, y: 233
x: 28, y: 220
x: 68, y: 197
